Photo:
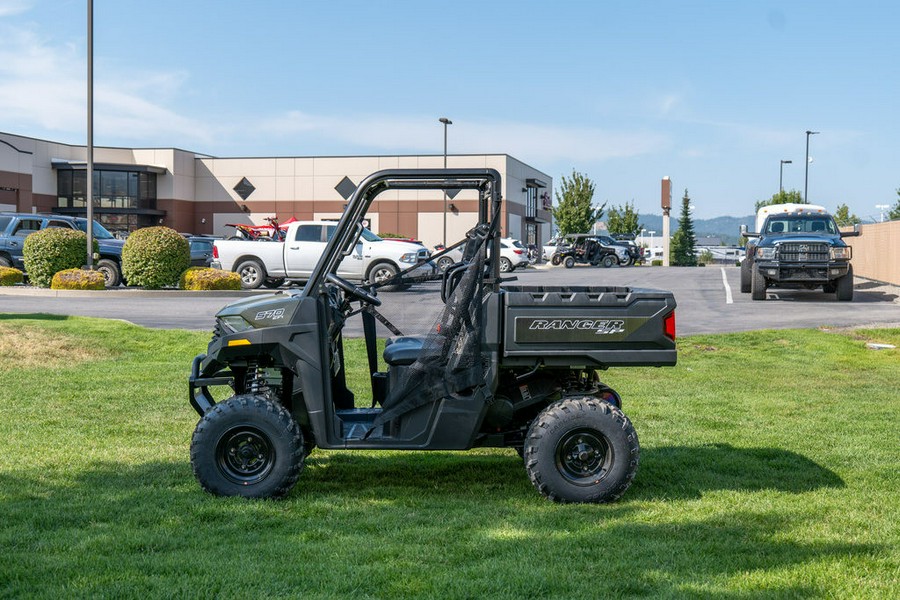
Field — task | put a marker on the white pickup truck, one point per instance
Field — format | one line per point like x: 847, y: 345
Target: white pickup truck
x: 269, y: 263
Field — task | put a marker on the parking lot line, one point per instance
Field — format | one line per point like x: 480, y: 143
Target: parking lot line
x: 728, y: 298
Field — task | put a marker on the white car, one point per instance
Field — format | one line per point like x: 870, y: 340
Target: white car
x: 512, y: 256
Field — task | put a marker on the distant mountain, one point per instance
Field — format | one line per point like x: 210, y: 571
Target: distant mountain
x: 727, y: 228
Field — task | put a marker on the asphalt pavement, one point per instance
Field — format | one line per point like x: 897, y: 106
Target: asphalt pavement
x: 709, y: 301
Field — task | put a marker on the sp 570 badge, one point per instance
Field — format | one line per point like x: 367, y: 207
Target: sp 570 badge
x: 273, y: 314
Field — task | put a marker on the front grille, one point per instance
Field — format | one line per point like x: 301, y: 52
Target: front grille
x: 800, y: 252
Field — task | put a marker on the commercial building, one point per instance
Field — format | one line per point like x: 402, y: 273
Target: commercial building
x: 201, y: 194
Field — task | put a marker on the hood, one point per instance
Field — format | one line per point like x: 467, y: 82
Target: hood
x: 262, y: 311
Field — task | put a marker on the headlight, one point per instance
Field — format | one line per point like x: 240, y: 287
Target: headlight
x: 235, y: 324
x: 765, y: 253
x: 841, y: 253
x: 409, y: 257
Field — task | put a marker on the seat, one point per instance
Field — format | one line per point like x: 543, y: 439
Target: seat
x: 401, y: 351
x: 818, y: 226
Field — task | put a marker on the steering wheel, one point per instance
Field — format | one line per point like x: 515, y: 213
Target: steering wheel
x: 353, y: 290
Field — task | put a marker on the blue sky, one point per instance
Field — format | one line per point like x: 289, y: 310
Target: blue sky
x: 710, y: 93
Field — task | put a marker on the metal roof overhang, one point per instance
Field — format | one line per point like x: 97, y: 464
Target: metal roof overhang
x: 61, y: 164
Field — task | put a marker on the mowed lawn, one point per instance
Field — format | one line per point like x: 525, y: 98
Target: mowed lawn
x: 770, y: 467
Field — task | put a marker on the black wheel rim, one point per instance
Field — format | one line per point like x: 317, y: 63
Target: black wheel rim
x: 583, y: 456
x: 245, y: 455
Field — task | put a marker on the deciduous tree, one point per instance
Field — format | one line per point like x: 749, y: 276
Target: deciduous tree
x: 623, y: 219
x: 844, y: 218
x: 782, y: 197
x: 574, y: 212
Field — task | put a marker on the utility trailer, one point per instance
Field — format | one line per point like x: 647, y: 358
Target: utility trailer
x: 504, y: 366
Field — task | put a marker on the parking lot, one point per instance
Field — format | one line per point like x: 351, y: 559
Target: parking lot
x: 709, y: 301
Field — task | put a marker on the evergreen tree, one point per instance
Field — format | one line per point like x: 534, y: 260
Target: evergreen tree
x: 844, y: 218
x: 573, y: 212
x: 623, y: 220
x: 782, y: 197
x: 683, y: 242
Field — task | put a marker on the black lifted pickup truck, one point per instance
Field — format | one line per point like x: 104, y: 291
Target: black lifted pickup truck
x: 797, y: 246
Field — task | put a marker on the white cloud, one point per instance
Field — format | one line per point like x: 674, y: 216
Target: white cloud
x: 528, y: 141
x: 44, y: 86
x: 9, y: 8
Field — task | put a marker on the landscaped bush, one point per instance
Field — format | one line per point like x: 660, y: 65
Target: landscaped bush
x: 10, y: 276
x: 49, y: 251
x: 200, y: 278
x: 656, y: 263
x: 78, y: 279
x: 155, y: 257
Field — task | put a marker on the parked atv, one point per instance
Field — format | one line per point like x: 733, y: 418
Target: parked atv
x: 504, y: 366
x: 584, y: 249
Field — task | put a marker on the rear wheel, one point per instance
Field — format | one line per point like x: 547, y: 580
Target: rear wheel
x: 746, y: 277
x: 569, y: 262
x: 581, y: 450
x: 5, y: 262
x: 252, y: 274
x: 247, y: 446
x: 844, y: 286
x: 757, y: 285
x: 505, y: 265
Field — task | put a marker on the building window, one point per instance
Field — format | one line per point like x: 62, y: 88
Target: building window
x: 112, y: 189
x: 531, y: 202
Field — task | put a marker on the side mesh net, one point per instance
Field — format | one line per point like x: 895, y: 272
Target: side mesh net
x: 450, y: 360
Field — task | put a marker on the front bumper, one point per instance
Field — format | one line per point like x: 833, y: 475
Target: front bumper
x: 802, y: 272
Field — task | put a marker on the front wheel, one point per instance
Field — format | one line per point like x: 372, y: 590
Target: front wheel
x: 757, y: 285
x: 273, y: 284
x: 581, y: 450
x: 609, y: 260
x: 247, y: 446
x: 844, y: 286
x: 111, y: 274
x: 444, y: 263
x: 569, y: 262
x: 383, y: 272
x: 555, y: 260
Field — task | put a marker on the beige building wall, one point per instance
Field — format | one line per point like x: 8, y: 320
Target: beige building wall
x: 197, y: 193
x: 876, y: 252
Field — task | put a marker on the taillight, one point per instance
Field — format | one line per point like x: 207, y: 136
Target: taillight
x: 669, y: 325
x: 519, y: 251
x: 215, y: 252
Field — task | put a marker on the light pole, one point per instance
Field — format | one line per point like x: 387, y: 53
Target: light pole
x: 882, y: 208
x: 806, y: 178
x: 89, y: 172
x: 781, y: 175
x: 446, y: 122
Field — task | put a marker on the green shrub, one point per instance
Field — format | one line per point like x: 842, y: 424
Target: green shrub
x: 155, y: 257
x: 656, y: 262
x: 78, y: 279
x: 49, y: 251
x: 200, y: 278
x: 10, y: 276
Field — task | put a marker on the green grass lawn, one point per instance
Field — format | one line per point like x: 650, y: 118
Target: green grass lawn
x: 770, y: 467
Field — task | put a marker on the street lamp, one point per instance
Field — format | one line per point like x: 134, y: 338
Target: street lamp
x: 882, y: 208
x: 781, y: 174
x: 806, y: 178
x: 446, y: 122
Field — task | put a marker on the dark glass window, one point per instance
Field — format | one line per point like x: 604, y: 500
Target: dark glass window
x: 531, y: 202
x: 309, y: 233
x: 112, y: 189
